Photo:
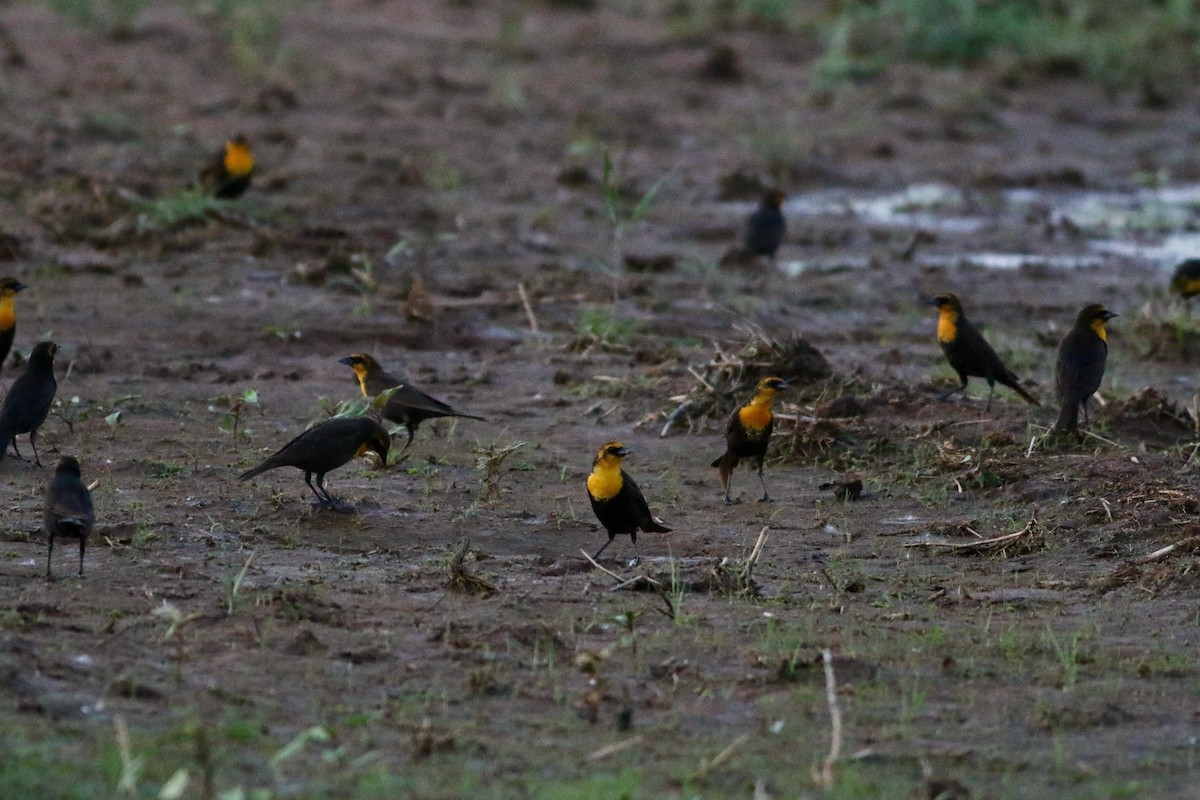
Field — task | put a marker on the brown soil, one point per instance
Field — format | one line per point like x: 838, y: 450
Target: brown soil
x: 220, y: 621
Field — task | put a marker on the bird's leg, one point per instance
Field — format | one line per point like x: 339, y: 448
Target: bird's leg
x: 596, y: 557
x: 332, y: 502
x: 320, y: 499
x: 412, y: 429
x: 49, y: 576
x: 32, y: 443
x: 15, y: 450
x: 765, y: 498
x: 637, y: 559
x: 82, y: 545
x: 991, y: 394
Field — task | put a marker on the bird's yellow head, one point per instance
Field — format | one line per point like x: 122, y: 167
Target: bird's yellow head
x: 949, y: 310
x: 238, y: 161
x: 611, y: 455
x: 363, y: 365
x: 1095, y: 316
x: 765, y: 391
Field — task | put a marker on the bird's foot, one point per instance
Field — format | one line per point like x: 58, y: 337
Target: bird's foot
x: 765, y: 498
x: 635, y: 561
x: 334, y: 505
x: 728, y: 500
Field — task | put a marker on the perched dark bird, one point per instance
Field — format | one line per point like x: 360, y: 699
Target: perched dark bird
x: 228, y: 175
x: 28, y: 401
x: 1186, y: 280
x: 8, y: 315
x: 748, y: 434
x: 408, y: 405
x: 766, y: 227
x: 617, y: 500
x: 969, y: 353
x: 68, y: 509
x: 1080, y: 366
x: 325, y: 447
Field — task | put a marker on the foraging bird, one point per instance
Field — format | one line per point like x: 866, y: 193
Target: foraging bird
x: 325, y: 447
x: 408, y: 405
x: 28, y: 401
x: 68, y: 509
x: 1186, y: 280
x: 1080, y: 367
x: 8, y: 317
x: 228, y: 175
x: 617, y: 500
x: 969, y: 353
x: 766, y: 227
x: 749, y: 432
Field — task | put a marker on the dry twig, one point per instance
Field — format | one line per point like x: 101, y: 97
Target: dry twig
x: 823, y: 776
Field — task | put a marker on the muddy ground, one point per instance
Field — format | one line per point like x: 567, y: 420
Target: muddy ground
x: 418, y: 163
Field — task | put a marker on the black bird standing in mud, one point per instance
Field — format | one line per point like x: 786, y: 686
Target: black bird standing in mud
x: 28, y: 401
x: 969, y: 353
x: 67, y: 509
x: 228, y: 175
x: 408, y: 405
x: 1080, y: 367
x: 766, y: 226
x: 748, y: 434
x: 325, y: 447
x: 617, y: 500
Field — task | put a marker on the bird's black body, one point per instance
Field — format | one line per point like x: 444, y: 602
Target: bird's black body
x: 325, y: 447
x: 766, y: 226
x: 748, y: 434
x: 616, y: 498
x: 1082, y: 355
x: 67, y: 510
x: 408, y: 405
x: 969, y: 353
x: 29, y: 399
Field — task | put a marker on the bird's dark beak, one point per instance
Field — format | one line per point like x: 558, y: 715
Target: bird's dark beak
x: 19, y: 287
x: 783, y: 384
x: 1109, y: 315
x: 624, y: 451
x: 348, y: 361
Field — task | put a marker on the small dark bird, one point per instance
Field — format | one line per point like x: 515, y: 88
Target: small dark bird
x: 28, y: 401
x: 8, y: 315
x: 408, y: 405
x: 228, y: 175
x: 748, y: 434
x: 1186, y: 281
x: 969, y: 353
x: 766, y: 227
x: 1080, y: 366
x: 617, y: 500
x: 325, y: 447
x: 68, y: 509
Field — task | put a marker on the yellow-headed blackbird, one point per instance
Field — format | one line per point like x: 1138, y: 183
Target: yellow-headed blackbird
x: 617, y: 500
x: 408, y: 405
x: 68, y: 509
x: 8, y: 316
x: 766, y: 227
x: 1080, y: 366
x: 228, y: 175
x: 325, y: 447
x: 28, y: 401
x: 749, y: 432
x: 1186, y: 281
x: 969, y: 353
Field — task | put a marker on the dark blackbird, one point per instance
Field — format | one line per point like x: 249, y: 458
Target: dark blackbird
x: 68, y: 509
x: 1080, y: 366
x: 748, y: 433
x: 766, y: 227
x: 228, y: 175
x: 408, y: 405
x: 28, y: 401
x: 325, y: 447
x: 969, y: 353
x: 8, y: 316
x: 617, y: 500
x: 1186, y: 281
